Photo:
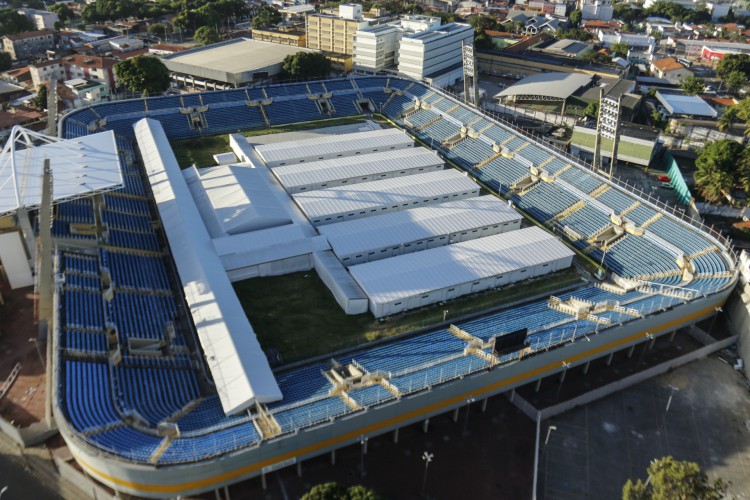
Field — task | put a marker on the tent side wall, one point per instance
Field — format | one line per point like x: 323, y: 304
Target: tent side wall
x: 345, y: 290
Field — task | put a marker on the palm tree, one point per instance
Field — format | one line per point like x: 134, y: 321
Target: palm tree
x: 727, y: 120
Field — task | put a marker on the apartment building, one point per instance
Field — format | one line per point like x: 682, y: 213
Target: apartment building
x: 91, y: 68
x: 376, y: 47
x: 25, y: 45
x: 330, y: 33
x: 435, y: 55
x: 42, y: 19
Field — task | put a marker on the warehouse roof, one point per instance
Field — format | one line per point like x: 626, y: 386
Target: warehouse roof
x: 318, y: 146
x: 395, y: 228
x: 557, y: 85
x: 416, y: 273
x: 680, y: 104
x: 304, y: 174
x: 396, y: 190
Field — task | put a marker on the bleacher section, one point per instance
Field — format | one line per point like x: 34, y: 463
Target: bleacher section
x: 102, y: 394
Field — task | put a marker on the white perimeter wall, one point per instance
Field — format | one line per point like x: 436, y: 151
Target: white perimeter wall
x: 14, y: 260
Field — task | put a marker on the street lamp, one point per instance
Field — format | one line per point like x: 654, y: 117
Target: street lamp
x: 713, y: 322
x: 468, y: 407
x: 445, y: 313
x: 427, y: 457
x: 363, y: 442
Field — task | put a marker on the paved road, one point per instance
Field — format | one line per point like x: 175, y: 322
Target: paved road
x: 21, y: 484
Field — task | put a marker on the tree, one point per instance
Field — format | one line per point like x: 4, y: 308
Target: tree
x: 266, y: 17
x: 445, y: 17
x: 625, y: 12
x: 574, y: 34
x: 592, y: 110
x: 727, y: 120
x: 717, y: 169
x: 159, y: 30
x: 64, y: 13
x: 481, y: 23
x: 206, y: 35
x: 658, y: 121
x: 692, y: 85
x: 334, y: 491
x: 575, y: 17
x: 40, y: 101
x: 674, y: 479
x: 735, y: 81
x: 12, y: 22
x: 5, y: 61
x: 304, y: 65
x: 143, y: 74
x: 620, y: 49
x: 733, y: 62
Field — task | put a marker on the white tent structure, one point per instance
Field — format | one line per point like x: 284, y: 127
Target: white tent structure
x: 80, y: 167
x: 237, y: 362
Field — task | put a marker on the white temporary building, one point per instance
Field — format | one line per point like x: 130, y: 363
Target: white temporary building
x: 382, y: 236
x: 237, y: 362
x: 418, y: 279
x: 337, y: 204
x: 80, y: 167
x: 345, y: 290
x: 356, y: 169
x: 238, y: 197
x: 333, y: 146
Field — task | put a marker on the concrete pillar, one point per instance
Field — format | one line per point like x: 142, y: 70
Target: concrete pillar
x: 609, y: 358
x: 631, y: 351
x: 425, y: 425
x: 672, y: 335
x: 512, y: 395
x: 538, y: 385
x: 395, y: 436
x: 651, y: 343
x: 455, y: 415
x: 226, y: 493
x: 562, y: 375
x: 263, y: 481
x: 333, y: 457
x: 299, y: 468
x: 484, y: 405
x: 217, y: 495
x: 586, y: 367
x: 364, y: 446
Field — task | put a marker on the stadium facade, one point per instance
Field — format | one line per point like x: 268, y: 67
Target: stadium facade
x: 119, y: 412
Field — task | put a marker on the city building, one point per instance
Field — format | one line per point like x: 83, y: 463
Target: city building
x: 376, y: 47
x: 330, y: 33
x: 711, y: 53
x: 435, y: 55
x: 87, y: 91
x: 42, y: 19
x: 25, y: 45
x: 78, y: 66
x: 229, y: 64
x: 675, y: 104
x: 285, y: 36
x: 717, y: 9
x: 670, y: 69
x: 600, y: 10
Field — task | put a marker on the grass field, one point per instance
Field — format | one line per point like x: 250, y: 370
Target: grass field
x: 297, y: 315
x: 200, y: 151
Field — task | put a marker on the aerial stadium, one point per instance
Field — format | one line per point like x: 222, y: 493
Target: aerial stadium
x: 161, y: 386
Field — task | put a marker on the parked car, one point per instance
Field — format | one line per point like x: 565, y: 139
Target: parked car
x: 664, y: 178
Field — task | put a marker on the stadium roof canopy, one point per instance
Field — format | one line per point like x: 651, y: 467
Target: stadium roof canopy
x: 546, y: 86
x: 238, y: 197
x: 681, y: 104
x: 421, y: 272
x: 393, y: 191
x: 396, y: 228
x: 297, y: 176
x: 80, y: 167
x: 319, y: 147
x: 237, y: 362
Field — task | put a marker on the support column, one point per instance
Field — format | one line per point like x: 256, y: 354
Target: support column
x: 631, y: 351
x: 586, y: 367
x: 364, y: 446
x: 538, y: 385
x: 609, y: 358
x: 395, y: 436
x: 651, y: 343
x: 425, y: 425
x: 672, y: 335
x: 562, y: 375
x: 455, y: 415
x: 299, y: 468
x: 484, y: 405
x: 263, y: 481
x: 333, y: 457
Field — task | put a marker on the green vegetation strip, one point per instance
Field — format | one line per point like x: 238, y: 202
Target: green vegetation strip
x: 200, y: 151
x: 297, y: 315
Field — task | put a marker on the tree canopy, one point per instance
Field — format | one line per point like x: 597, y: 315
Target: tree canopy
x: 334, y: 491
x: 40, y: 101
x: 673, y: 479
x: 206, y: 35
x: 733, y: 62
x: 5, y: 61
x: 574, y: 34
x: 267, y: 16
x: 64, y: 13
x: 722, y: 166
x: 304, y: 65
x: 677, y: 13
x: 143, y: 74
x: 11, y: 22
x: 575, y: 17
x: 620, y: 49
x: 692, y: 85
x: 735, y: 81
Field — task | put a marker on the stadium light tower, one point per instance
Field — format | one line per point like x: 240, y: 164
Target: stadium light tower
x: 607, y: 127
x: 471, y: 77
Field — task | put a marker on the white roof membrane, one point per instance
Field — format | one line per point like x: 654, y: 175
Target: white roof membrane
x: 392, y: 229
x: 80, y: 166
x: 237, y: 362
x: 421, y: 272
x: 292, y: 151
x: 393, y: 191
